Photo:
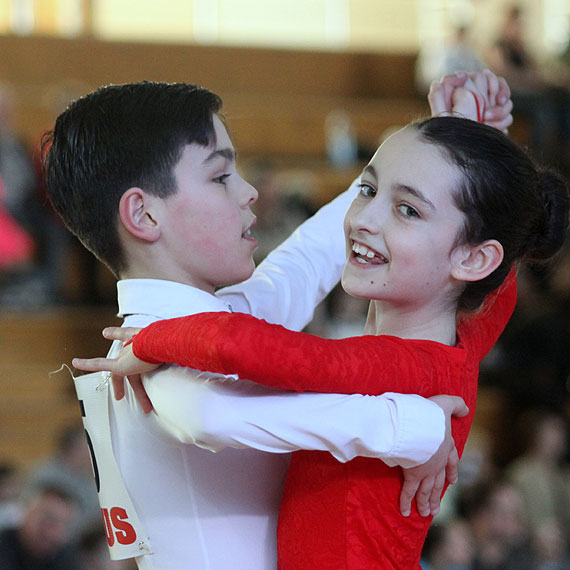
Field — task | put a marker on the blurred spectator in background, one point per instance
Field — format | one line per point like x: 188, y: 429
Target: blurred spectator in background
x: 448, y: 546
x: 550, y: 547
x: 459, y: 53
x: 541, y: 474
x: 21, y: 201
x: 70, y: 469
x: 531, y: 362
x: 16, y: 245
x: 42, y: 540
x: 496, y: 518
x: 10, y: 486
x: 545, y: 106
x: 16, y: 167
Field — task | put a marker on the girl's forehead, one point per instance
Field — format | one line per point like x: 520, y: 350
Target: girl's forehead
x: 402, y: 147
x: 405, y: 159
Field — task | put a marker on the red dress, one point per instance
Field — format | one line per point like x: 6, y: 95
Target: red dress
x: 339, y: 515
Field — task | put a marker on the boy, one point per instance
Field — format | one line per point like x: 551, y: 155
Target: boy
x: 145, y: 175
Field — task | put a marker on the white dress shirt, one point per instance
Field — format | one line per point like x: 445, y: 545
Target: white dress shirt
x: 218, y: 511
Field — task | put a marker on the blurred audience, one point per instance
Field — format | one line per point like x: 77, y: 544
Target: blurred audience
x: 543, y: 102
x: 10, y: 488
x: 70, y: 468
x: 458, y: 53
x: 496, y: 519
x: 42, y: 540
x: 541, y: 474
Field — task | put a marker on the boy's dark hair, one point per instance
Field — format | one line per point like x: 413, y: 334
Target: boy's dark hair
x: 503, y: 195
x: 116, y: 138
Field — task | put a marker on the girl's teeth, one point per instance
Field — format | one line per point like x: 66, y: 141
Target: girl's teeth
x: 370, y: 254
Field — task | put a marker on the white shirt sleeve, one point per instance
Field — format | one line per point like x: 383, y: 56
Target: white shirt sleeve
x: 215, y: 413
x: 294, y: 278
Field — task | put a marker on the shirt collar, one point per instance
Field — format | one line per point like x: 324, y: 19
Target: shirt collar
x: 164, y: 299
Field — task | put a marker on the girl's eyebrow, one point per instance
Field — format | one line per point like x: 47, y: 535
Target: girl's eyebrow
x: 414, y: 192
x: 369, y: 169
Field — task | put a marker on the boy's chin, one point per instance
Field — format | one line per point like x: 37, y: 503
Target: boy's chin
x: 239, y: 277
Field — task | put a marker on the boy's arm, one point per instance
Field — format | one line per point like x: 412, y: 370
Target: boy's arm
x: 294, y: 278
x: 218, y: 413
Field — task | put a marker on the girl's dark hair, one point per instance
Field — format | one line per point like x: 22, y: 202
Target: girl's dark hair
x: 115, y: 138
x: 504, y: 196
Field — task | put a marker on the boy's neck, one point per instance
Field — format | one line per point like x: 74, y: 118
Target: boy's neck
x: 431, y: 323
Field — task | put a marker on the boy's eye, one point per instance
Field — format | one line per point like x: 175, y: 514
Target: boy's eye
x: 221, y: 179
x: 408, y: 211
x: 366, y: 190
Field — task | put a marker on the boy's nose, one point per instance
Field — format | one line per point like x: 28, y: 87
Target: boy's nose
x: 250, y: 194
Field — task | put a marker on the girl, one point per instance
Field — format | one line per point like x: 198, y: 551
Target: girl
x: 446, y: 207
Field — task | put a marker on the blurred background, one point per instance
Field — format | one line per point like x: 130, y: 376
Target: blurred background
x: 310, y: 87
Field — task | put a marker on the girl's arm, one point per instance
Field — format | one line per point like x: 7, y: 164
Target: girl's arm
x: 274, y: 356
x: 485, y: 327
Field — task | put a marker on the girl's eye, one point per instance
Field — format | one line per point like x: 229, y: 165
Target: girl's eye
x: 408, y: 211
x: 221, y: 179
x: 366, y: 190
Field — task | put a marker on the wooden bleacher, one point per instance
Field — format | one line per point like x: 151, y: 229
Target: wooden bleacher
x: 34, y: 404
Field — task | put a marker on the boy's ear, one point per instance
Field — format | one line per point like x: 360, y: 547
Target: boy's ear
x: 475, y: 262
x: 136, y: 213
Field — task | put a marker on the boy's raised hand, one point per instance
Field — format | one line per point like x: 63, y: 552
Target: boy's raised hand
x: 425, y: 482
x: 126, y: 364
x: 446, y: 97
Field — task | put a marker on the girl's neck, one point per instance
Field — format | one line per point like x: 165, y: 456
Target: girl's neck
x: 430, y: 323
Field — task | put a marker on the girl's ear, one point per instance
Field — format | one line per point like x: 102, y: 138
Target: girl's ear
x: 136, y: 214
x: 475, y: 262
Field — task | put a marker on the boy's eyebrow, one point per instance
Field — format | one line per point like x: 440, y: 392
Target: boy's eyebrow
x: 414, y: 192
x: 227, y: 153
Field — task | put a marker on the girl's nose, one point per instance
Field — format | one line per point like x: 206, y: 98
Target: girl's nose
x: 369, y: 217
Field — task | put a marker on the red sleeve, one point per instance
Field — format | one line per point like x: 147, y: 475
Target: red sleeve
x: 485, y: 327
x: 274, y: 356
x: 268, y: 354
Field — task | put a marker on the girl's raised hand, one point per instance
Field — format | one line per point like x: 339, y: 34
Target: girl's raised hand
x: 448, y: 96
x: 126, y: 364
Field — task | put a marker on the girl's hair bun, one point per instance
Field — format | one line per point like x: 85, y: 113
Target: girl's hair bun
x: 550, y: 232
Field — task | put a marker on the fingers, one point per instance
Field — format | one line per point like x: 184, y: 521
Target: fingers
x: 440, y: 93
x: 436, y: 100
x: 409, y: 490
x: 93, y: 364
x: 492, y: 87
x: 500, y: 117
x: 452, y: 467
x: 423, y: 496
x: 140, y: 393
x: 118, y: 386
x: 504, y: 92
x: 436, y: 492
x: 120, y: 333
x: 459, y: 408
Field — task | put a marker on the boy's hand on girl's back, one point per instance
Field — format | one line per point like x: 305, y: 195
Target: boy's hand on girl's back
x: 425, y: 482
x: 126, y: 364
